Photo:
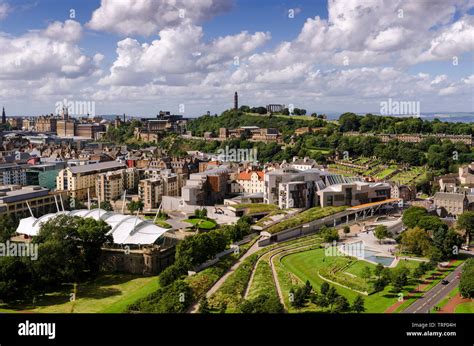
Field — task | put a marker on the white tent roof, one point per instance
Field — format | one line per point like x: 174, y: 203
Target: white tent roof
x: 125, y: 229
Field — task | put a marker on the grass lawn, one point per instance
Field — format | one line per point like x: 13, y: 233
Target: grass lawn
x: 304, y: 217
x: 323, y: 151
x: 163, y: 224
x: 252, y: 208
x: 202, y: 223
x: 385, y: 172
x: 110, y: 293
x: 467, y: 307
x: 262, y: 282
x: 305, y: 265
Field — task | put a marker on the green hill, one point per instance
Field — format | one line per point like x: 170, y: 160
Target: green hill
x: 232, y: 119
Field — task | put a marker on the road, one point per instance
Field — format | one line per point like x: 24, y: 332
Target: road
x: 435, y: 295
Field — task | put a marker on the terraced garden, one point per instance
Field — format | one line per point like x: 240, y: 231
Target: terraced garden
x: 307, y: 264
x: 376, y: 169
x: 304, y: 217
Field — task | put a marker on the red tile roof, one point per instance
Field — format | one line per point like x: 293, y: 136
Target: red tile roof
x: 247, y: 175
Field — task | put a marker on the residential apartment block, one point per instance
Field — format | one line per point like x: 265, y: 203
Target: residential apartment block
x: 78, y: 180
x: 151, y: 191
x: 206, y: 188
x: 111, y: 185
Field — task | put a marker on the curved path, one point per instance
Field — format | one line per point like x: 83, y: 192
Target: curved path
x: 254, y: 248
x: 270, y: 256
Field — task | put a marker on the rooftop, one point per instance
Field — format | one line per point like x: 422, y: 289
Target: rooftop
x: 96, y: 167
x: 125, y: 229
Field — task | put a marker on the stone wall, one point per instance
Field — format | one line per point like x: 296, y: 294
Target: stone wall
x: 147, y: 261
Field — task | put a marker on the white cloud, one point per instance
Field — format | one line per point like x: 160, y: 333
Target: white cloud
x: 179, y: 56
x: 69, y: 31
x: 50, y: 52
x: 357, y: 57
x: 455, y: 40
x: 147, y: 17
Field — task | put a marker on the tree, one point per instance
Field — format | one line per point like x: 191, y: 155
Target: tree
x: 299, y: 297
x: 419, y: 271
x: 60, y: 258
x: 331, y: 296
x: 366, y: 273
x: 329, y: 234
x: 466, y: 284
x: 15, y: 279
x: 381, y: 232
x: 378, y: 269
x: 324, y: 288
x: 379, y: 284
x: 135, y: 206
x: 447, y: 241
x: 341, y: 304
x: 416, y: 241
x: 431, y: 223
x: 399, y: 278
x: 412, y: 216
x: 349, y: 122
x: 106, y: 206
x: 93, y: 235
x: 466, y: 223
x: 347, y: 230
x: 7, y: 228
x: 358, y: 304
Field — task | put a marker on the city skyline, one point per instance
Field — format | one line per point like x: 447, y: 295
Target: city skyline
x: 190, y: 57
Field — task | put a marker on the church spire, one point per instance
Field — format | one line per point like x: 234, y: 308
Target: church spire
x: 4, y: 116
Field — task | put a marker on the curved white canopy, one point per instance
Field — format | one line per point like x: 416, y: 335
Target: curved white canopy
x: 125, y: 229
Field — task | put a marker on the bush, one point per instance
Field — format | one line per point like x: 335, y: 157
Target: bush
x: 329, y: 234
x: 172, y: 273
x: 261, y: 305
x: 175, y: 298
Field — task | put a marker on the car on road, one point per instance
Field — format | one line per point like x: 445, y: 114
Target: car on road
x: 444, y: 282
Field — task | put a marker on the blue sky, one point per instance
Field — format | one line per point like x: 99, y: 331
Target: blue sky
x: 138, y: 57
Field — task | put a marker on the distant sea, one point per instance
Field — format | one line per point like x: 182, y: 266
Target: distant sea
x: 464, y: 117
x: 452, y: 117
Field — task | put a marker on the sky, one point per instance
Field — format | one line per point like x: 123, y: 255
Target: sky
x: 189, y: 56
